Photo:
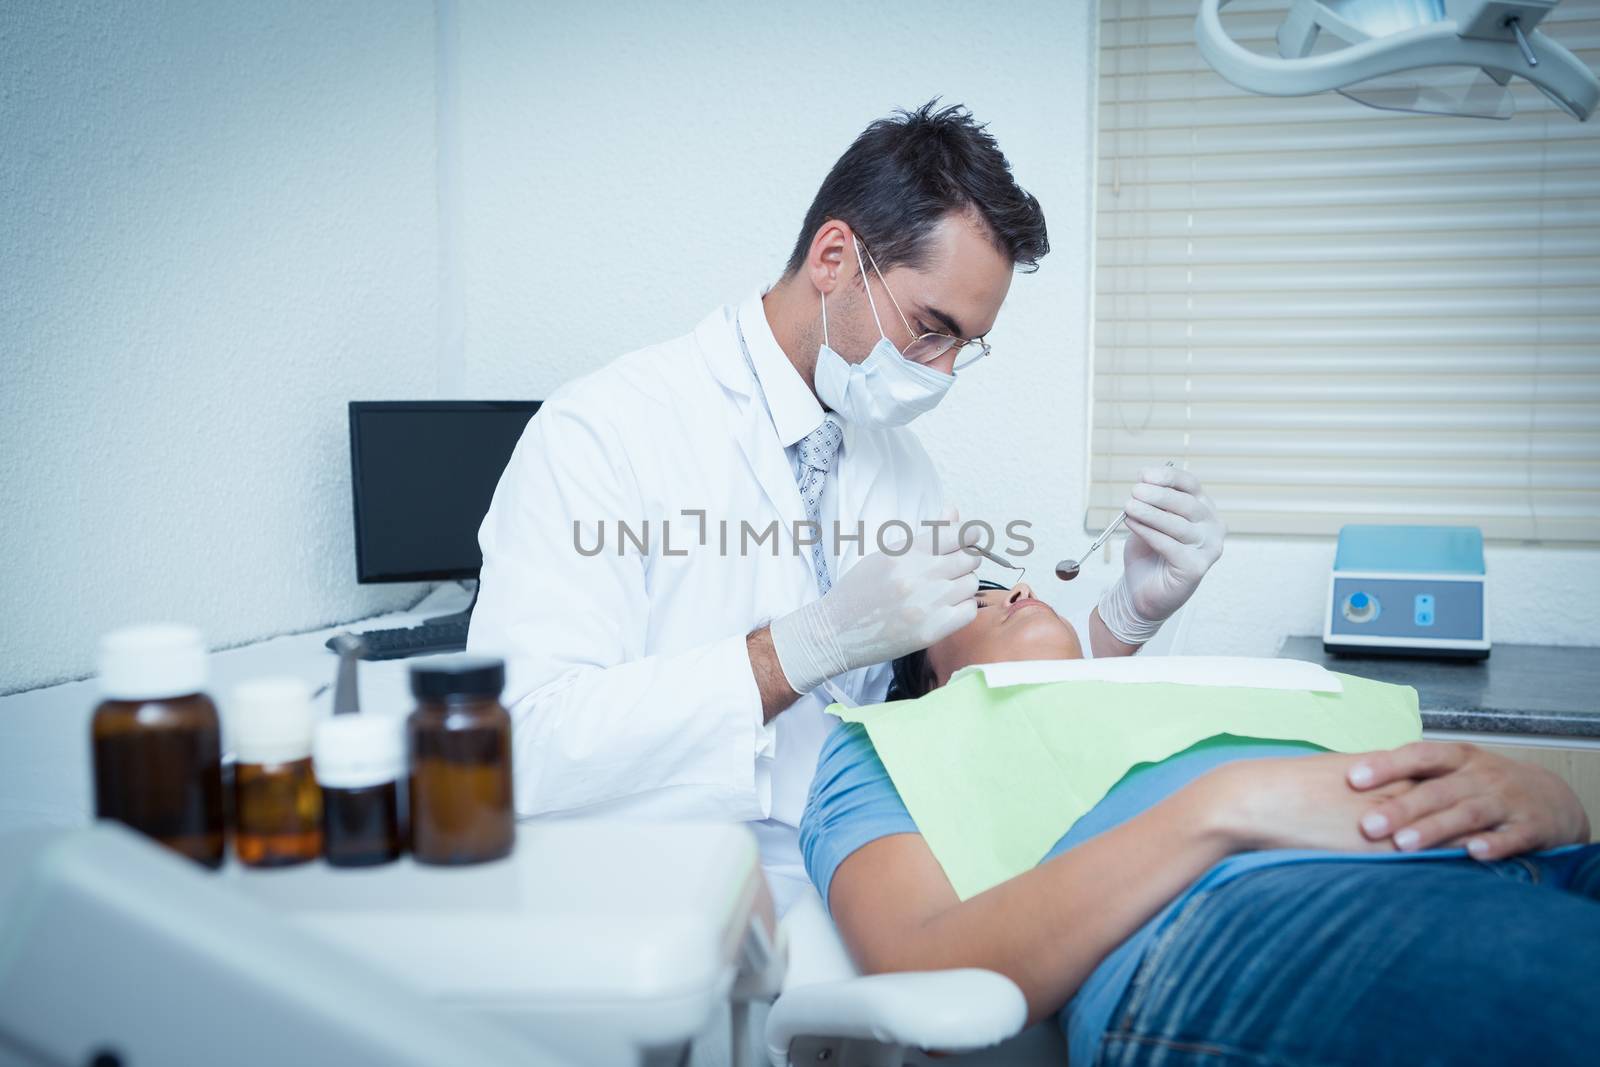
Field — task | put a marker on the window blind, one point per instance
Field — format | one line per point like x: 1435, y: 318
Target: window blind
x: 1333, y: 314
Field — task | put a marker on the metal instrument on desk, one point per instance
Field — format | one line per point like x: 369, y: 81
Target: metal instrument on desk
x: 346, y: 693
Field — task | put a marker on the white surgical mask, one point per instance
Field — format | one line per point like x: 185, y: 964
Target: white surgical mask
x: 885, y: 389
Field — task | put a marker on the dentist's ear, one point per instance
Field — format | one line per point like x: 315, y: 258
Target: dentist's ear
x: 828, y: 255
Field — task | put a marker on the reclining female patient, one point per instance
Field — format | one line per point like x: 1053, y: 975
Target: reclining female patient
x: 1183, y: 929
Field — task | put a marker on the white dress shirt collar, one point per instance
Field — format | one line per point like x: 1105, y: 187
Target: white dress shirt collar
x: 795, y: 408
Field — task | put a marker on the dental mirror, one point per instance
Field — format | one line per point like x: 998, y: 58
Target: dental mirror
x: 1068, y: 569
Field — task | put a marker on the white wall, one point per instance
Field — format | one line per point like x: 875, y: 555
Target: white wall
x: 217, y: 225
x: 223, y: 224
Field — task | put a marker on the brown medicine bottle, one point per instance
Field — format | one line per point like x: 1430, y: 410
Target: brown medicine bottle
x: 460, y: 761
x: 360, y: 762
x: 156, y: 741
x: 277, y: 804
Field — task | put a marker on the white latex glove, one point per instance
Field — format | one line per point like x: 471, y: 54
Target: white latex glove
x: 1175, y: 538
x: 883, y: 607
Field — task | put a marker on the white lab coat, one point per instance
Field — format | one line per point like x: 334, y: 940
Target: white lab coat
x: 628, y: 679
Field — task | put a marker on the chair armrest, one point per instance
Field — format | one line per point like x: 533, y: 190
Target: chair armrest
x: 948, y: 1011
x: 815, y: 952
x: 825, y: 996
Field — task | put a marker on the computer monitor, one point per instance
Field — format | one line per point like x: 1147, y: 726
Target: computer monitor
x: 422, y: 474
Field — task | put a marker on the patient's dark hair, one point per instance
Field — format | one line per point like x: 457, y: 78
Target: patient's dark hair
x: 912, y: 676
x: 905, y: 173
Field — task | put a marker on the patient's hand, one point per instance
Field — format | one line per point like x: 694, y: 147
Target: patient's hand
x: 1296, y: 802
x: 1495, y: 805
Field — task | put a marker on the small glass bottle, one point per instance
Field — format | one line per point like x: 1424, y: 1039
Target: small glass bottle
x: 460, y: 761
x: 360, y: 762
x: 276, y: 801
x: 156, y: 740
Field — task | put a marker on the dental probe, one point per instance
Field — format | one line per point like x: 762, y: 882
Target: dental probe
x: 1022, y: 572
x: 1068, y: 569
x: 992, y: 558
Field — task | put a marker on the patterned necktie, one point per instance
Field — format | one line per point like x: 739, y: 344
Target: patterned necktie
x: 817, y: 450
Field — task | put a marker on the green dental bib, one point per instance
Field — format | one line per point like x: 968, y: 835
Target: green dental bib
x: 994, y: 776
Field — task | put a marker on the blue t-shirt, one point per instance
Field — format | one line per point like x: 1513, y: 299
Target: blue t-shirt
x: 853, y: 802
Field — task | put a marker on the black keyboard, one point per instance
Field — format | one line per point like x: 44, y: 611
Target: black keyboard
x: 424, y: 639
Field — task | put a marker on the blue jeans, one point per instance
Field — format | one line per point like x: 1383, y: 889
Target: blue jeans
x: 1430, y: 962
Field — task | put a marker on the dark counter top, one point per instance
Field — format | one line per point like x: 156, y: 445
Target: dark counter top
x: 1539, y: 690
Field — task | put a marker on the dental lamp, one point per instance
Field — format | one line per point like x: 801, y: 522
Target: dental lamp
x: 1447, y: 57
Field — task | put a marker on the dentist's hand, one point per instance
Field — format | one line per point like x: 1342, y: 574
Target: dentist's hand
x: 883, y: 607
x: 1176, y: 537
x: 1494, y: 805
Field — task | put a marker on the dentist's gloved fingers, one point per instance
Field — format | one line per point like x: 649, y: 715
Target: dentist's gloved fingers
x: 931, y: 537
x: 952, y: 538
x: 963, y: 588
x: 1169, y: 547
x: 945, y: 535
x: 1180, y: 529
x: 951, y: 619
x: 888, y: 604
x: 1177, y: 536
x: 953, y: 565
x: 896, y: 540
x: 1176, y: 477
x: 1193, y: 506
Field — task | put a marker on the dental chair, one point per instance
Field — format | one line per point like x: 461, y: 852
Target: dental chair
x: 829, y: 1013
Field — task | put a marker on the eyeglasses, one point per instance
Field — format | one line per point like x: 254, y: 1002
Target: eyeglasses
x: 924, y: 348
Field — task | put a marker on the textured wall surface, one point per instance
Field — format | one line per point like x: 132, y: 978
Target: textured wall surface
x: 220, y: 222
x: 217, y: 225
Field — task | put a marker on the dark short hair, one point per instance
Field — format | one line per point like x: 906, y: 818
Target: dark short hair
x: 911, y: 677
x: 907, y: 172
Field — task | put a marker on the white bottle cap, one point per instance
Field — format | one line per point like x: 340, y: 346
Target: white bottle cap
x: 152, y: 661
x: 357, y: 751
x: 270, y: 719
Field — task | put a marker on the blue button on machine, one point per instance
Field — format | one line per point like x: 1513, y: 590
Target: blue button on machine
x: 1422, y: 609
x: 1360, y: 608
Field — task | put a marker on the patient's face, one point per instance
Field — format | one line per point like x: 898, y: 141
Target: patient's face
x: 1011, y: 625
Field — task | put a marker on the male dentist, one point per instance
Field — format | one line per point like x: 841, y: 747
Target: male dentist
x: 689, y: 544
